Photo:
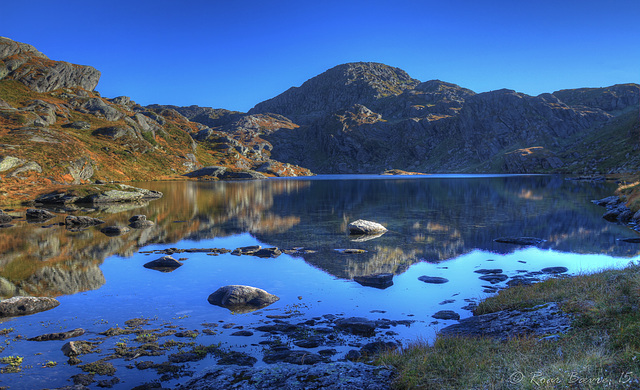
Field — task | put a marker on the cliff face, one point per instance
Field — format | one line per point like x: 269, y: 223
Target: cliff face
x: 367, y: 117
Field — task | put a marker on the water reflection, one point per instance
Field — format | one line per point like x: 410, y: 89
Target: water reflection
x: 432, y: 219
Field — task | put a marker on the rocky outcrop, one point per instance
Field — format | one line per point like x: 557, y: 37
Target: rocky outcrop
x: 24, y: 63
x: 241, y: 299
x: 222, y: 173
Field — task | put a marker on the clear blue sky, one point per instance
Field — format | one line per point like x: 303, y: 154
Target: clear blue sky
x: 234, y: 54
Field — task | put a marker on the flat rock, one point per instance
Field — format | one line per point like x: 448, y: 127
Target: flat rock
x: 19, y: 306
x: 334, y: 375
x: 246, y: 250
x: 433, y: 279
x: 59, y: 336
x: 446, y: 315
x: 554, y: 270
x: 163, y: 264
x: 488, y: 271
x: 520, y: 240
x: 241, y: 299
x: 298, y: 357
x: 267, y: 253
x: 381, y: 281
x: 539, y: 320
x: 361, y: 226
x: 494, y: 278
x: 357, y: 325
x: 72, y: 220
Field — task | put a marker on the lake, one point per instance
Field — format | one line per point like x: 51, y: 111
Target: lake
x: 438, y: 225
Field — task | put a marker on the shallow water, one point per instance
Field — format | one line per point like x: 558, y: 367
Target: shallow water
x: 439, y: 225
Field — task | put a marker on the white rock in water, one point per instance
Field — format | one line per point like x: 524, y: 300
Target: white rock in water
x: 365, y: 227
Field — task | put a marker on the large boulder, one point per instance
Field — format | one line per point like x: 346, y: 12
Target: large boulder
x: 241, y: 299
x: 366, y: 227
x: 20, y: 306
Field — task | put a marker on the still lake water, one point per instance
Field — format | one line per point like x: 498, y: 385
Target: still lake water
x: 439, y: 225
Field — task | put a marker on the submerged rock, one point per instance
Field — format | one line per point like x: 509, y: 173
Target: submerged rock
x: 433, y: 279
x: 381, y: 281
x: 365, y: 227
x: 520, y: 240
x: 19, y: 306
x: 241, y: 299
x: 59, y: 336
x: 163, y: 264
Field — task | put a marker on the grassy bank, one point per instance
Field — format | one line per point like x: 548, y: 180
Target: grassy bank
x: 601, y: 351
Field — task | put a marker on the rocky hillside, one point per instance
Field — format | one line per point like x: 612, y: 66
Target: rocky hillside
x: 55, y: 129
x: 368, y: 117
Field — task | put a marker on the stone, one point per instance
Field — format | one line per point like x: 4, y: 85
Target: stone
x: 39, y: 215
x: 75, y: 221
x: 433, y: 279
x: 361, y: 226
x: 381, y: 281
x: 446, y: 315
x: 21, y: 305
x: 310, y: 342
x: 267, y: 253
x: 378, y: 347
x: 59, y: 336
x: 242, y: 333
x: 140, y: 222
x: 163, y: 264
x: 5, y: 218
x: 241, y: 299
x: 9, y: 162
x: 488, y: 271
x: 520, y: 240
x: 98, y: 107
x: 495, y: 278
x: 246, y: 250
x: 113, y: 231
x: 79, y: 125
x: 357, y: 325
x: 291, y: 357
x: 554, y: 270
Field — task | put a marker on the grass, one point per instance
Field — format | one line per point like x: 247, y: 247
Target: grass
x: 601, y: 351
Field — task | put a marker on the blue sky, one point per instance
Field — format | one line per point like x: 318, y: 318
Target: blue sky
x: 235, y: 54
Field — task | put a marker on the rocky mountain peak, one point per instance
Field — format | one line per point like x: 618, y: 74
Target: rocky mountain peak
x: 22, y: 62
x: 338, y: 88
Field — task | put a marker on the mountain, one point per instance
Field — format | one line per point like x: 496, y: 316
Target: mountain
x: 368, y: 117
x: 55, y: 129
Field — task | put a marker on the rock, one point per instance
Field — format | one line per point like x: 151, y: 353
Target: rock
x: 520, y: 240
x: 612, y: 215
x: 39, y: 215
x: 246, y: 250
x: 242, y: 333
x: 267, y: 253
x: 59, y: 336
x: 357, y: 325
x: 353, y: 355
x: 291, y: 357
x: 446, y: 315
x: 5, y: 218
x: 163, y: 264
x: 241, y: 299
x: 75, y: 221
x: 495, y: 278
x: 554, y: 270
x: 28, y: 166
x: 380, y: 281
x: 9, y: 162
x: 310, y: 342
x: 125, y: 194
x: 361, y: 226
x: 634, y: 240
x: 140, y: 222
x: 113, y: 231
x: 223, y: 173
x: 433, y: 279
x: 79, y: 125
x: 540, y: 320
x: 19, y: 306
x: 377, y: 347
x: 98, y: 107
x: 488, y: 271
x: 608, y: 201
x: 334, y: 375
x: 625, y: 216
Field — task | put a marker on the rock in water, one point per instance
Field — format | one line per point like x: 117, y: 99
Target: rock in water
x: 163, y: 264
x: 59, y: 336
x: 446, y: 315
x: 113, y: 231
x: 365, y: 227
x: 19, y: 306
x: 520, y: 240
x: 433, y: 279
x: 140, y: 222
x: 380, y: 281
x: 357, y: 325
x: 72, y: 221
x: 241, y: 299
x: 39, y: 215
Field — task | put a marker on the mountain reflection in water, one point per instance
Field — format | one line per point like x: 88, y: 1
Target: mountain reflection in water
x: 430, y: 219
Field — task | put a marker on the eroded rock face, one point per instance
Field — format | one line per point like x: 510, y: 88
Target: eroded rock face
x: 241, y: 299
x: 20, y: 306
